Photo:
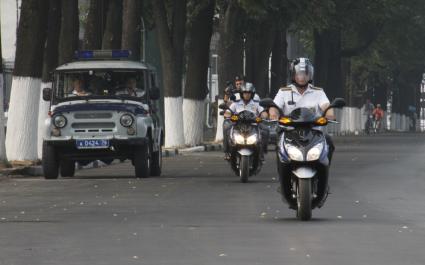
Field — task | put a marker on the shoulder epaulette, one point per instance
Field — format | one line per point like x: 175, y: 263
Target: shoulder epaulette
x: 286, y: 88
x: 256, y: 101
x: 316, y: 88
x: 236, y: 100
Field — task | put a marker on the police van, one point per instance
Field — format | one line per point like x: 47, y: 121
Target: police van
x: 103, y: 106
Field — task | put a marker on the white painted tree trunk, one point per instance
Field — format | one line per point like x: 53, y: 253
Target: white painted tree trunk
x: 194, y: 119
x: 21, y: 136
x: 2, y: 121
x: 173, y: 110
x: 43, y: 109
x: 220, y: 120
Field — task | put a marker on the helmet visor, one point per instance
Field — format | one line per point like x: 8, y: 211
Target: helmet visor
x: 301, y: 77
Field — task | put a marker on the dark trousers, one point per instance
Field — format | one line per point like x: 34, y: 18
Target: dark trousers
x: 227, y: 125
x: 331, y: 146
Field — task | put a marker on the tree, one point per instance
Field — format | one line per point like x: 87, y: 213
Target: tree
x: 2, y: 135
x: 95, y: 24
x: 201, y: 26
x: 230, y: 50
x: 341, y: 29
x: 131, y: 27
x: 68, y: 42
x: 113, y: 29
x: 259, y: 43
x: 394, y: 62
x: 50, y: 62
x: 279, y: 64
x: 21, y: 141
x: 171, y: 28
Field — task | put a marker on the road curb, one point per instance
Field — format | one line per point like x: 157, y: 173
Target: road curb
x: 200, y: 148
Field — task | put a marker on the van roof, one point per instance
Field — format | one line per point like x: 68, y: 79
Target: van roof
x: 103, y: 64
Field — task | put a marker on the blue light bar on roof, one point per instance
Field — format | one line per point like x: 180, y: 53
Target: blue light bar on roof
x: 102, y: 54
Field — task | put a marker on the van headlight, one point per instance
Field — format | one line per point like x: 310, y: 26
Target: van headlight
x: 59, y: 121
x: 315, y: 152
x: 252, y: 139
x: 126, y: 120
x: 294, y: 153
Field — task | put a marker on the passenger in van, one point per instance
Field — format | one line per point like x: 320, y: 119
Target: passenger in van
x: 131, y: 88
x: 78, y: 87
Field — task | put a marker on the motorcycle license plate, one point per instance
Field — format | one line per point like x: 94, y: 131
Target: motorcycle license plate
x: 92, y: 144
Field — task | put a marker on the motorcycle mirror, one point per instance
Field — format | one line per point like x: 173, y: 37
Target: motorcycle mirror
x: 223, y: 106
x: 336, y: 103
x: 267, y: 103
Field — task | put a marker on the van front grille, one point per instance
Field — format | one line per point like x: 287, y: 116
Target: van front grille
x: 100, y: 115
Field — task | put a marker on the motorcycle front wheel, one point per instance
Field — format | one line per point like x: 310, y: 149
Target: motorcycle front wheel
x: 244, y: 168
x: 304, y: 199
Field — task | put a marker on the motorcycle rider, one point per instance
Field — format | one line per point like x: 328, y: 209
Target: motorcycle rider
x: 368, y: 111
x: 232, y: 91
x: 247, y: 102
x: 301, y: 93
x: 378, y: 114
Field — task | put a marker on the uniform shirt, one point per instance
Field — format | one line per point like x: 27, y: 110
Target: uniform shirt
x: 81, y: 93
x: 131, y: 92
x: 252, y: 105
x: 313, y: 98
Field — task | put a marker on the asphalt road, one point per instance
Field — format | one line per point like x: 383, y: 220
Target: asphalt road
x: 198, y: 213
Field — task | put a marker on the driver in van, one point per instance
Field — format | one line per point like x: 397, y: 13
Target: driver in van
x: 78, y: 87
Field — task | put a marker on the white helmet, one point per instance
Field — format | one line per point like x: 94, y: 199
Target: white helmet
x: 302, y: 70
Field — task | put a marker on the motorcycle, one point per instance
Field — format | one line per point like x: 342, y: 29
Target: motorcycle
x: 302, y: 159
x: 245, y: 143
x: 369, y: 125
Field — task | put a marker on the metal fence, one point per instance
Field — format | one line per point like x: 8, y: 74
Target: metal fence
x: 352, y: 121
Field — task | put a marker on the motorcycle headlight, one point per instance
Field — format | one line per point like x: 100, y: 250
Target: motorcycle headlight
x: 239, y: 139
x: 59, y: 121
x: 294, y: 153
x: 314, y: 152
x: 252, y: 139
x: 126, y: 120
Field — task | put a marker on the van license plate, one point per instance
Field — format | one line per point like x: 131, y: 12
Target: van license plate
x: 92, y: 144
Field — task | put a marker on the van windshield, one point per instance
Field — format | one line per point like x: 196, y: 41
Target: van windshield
x: 99, y: 84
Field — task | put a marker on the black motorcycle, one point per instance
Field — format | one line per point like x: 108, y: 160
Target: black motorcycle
x: 245, y: 144
x: 303, y: 159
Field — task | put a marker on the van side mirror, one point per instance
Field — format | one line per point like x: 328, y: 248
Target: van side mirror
x: 155, y: 93
x: 47, y: 94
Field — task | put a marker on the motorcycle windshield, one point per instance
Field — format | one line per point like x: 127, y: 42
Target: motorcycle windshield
x: 303, y: 119
x: 304, y: 116
x: 247, y: 116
